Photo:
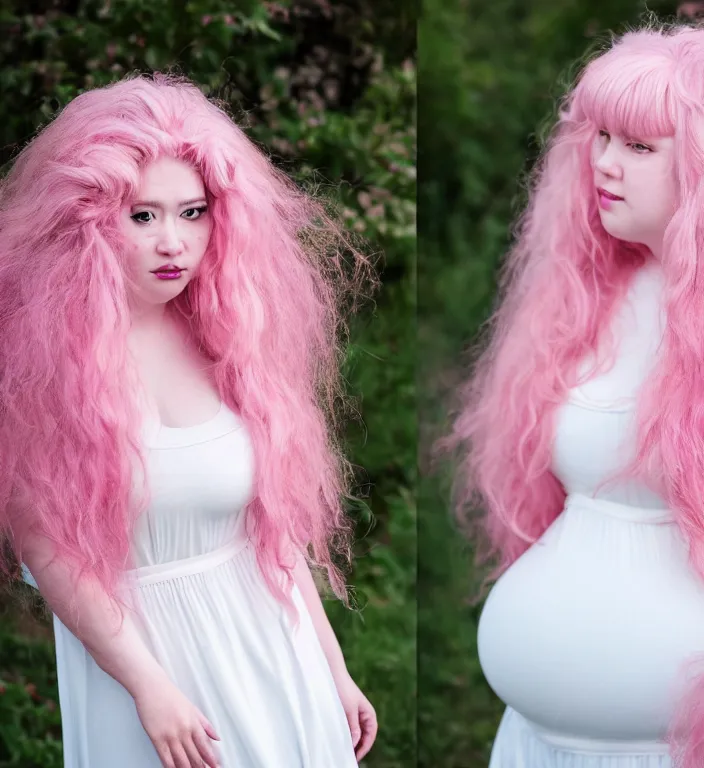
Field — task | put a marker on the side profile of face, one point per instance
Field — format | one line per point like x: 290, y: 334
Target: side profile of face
x: 640, y: 172
x: 167, y: 223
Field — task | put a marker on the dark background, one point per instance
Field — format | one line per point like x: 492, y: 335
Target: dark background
x: 490, y: 74
x: 329, y: 89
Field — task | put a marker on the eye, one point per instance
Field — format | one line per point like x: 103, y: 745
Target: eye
x: 200, y: 211
x: 641, y: 149
x: 604, y: 133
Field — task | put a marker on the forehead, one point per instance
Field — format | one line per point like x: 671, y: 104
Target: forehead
x: 166, y: 173
x: 635, y: 100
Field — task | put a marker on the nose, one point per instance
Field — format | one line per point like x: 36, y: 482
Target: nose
x: 170, y: 241
x: 608, y: 163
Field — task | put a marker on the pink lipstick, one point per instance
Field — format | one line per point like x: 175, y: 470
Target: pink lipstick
x: 607, y: 199
x: 168, y: 272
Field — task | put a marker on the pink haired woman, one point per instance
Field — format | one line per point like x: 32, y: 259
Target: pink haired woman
x: 170, y: 342
x: 582, y: 428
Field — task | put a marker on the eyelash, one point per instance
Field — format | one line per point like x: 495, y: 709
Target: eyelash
x: 633, y: 144
x: 201, y: 210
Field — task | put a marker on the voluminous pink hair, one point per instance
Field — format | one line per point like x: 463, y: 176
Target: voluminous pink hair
x: 558, y: 289
x: 267, y: 307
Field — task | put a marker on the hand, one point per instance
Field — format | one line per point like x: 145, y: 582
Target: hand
x: 179, y: 731
x: 361, y: 716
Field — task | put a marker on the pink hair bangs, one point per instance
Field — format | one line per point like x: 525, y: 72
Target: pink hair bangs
x: 638, y: 102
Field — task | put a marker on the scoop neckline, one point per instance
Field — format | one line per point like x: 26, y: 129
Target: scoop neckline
x: 159, y: 437
x: 164, y: 427
x: 621, y: 405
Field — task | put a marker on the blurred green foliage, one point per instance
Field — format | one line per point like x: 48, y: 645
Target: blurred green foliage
x: 490, y: 76
x: 30, y: 720
x: 328, y: 89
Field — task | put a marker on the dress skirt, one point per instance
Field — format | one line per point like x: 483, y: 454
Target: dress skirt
x: 230, y: 647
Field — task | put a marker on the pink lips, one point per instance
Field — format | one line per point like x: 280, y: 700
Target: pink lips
x: 164, y: 275
x: 608, y: 195
x: 607, y: 199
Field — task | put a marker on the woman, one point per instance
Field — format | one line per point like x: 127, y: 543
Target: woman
x: 171, y: 327
x: 581, y: 427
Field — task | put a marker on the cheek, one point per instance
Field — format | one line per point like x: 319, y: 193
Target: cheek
x: 664, y: 185
x: 132, y: 240
x: 202, y: 238
x: 137, y: 248
x: 664, y: 201
x: 138, y: 254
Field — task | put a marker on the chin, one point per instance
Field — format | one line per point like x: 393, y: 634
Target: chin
x: 619, y: 233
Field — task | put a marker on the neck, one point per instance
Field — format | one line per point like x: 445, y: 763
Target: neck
x: 149, y: 319
x: 654, y: 251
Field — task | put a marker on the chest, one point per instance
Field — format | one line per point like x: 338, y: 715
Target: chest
x: 178, y: 387
x: 595, y: 429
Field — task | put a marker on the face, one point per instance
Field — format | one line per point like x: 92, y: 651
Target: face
x: 167, y: 223
x: 640, y: 171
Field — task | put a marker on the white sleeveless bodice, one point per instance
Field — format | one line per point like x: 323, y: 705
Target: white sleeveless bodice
x: 211, y: 622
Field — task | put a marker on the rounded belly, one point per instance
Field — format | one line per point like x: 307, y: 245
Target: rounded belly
x: 585, y: 634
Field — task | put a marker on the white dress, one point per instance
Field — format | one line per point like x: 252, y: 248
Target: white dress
x: 211, y: 623
x: 584, y: 635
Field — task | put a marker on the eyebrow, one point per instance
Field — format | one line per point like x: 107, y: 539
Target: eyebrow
x: 155, y: 204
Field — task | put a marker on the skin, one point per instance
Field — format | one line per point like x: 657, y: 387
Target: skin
x: 167, y: 222
x: 157, y: 235
x: 170, y: 230
x: 641, y: 170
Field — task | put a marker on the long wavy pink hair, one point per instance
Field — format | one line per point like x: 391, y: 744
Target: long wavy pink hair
x: 558, y: 289
x: 267, y: 306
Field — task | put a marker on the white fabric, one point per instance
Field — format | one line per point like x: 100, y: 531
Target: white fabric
x: 585, y: 634
x: 212, y: 624
x: 519, y: 744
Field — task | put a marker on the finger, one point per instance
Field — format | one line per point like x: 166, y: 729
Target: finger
x: 165, y: 757
x: 369, y: 731
x: 180, y: 757
x: 354, y: 725
x: 212, y: 733
x: 194, y: 758
x: 207, y: 753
